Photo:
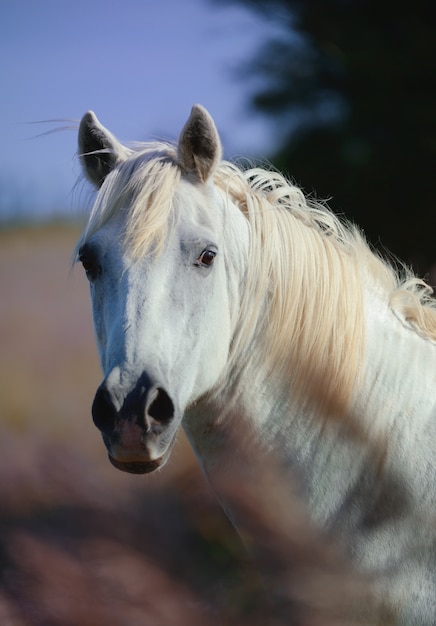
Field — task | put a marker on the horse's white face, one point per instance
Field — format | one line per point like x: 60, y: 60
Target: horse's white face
x: 163, y: 324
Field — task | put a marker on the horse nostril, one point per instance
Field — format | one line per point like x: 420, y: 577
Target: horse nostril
x: 134, y: 409
x: 104, y: 412
x: 161, y: 408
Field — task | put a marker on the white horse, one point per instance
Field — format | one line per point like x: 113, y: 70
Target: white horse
x: 220, y: 294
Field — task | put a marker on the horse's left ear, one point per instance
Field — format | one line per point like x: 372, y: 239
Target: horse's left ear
x: 199, y: 149
x: 99, y: 150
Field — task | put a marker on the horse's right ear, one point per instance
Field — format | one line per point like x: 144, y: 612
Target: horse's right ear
x: 99, y: 150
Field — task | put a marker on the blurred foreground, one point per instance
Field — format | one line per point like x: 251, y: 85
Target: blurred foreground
x: 81, y: 543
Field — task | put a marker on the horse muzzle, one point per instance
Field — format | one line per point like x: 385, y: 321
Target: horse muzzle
x: 138, y: 428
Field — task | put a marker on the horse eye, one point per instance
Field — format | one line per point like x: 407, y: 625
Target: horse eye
x: 206, y: 258
x: 90, y: 264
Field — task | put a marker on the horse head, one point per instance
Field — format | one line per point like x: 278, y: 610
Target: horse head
x: 165, y: 255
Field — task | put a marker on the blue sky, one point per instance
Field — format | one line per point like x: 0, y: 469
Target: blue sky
x: 139, y: 64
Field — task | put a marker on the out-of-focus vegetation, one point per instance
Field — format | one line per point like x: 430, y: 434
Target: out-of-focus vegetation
x: 350, y: 89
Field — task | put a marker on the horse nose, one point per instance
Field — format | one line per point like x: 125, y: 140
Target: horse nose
x: 147, y: 407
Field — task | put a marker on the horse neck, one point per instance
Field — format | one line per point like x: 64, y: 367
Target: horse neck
x: 396, y: 377
x: 391, y: 406
x: 395, y: 400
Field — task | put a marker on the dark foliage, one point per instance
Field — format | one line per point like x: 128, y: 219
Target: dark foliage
x: 351, y: 85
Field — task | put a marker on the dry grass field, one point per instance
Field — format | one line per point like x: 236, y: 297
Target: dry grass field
x: 82, y: 544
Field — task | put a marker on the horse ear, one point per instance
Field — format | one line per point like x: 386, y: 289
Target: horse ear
x: 99, y: 150
x: 199, y: 149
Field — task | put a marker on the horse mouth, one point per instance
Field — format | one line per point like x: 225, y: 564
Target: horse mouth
x: 138, y: 467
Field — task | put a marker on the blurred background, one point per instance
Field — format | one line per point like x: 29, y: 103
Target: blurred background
x: 340, y: 95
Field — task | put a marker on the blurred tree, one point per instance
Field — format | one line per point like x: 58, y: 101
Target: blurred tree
x: 351, y: 85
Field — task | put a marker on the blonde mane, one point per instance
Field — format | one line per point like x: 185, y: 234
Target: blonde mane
x: 145, y: 184
x: 307, y: 270
x: 304, y: 289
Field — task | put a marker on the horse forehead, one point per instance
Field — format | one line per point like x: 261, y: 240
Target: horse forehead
x: 198, y: 204
x: 198, y: 214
